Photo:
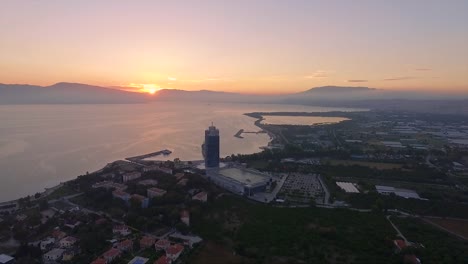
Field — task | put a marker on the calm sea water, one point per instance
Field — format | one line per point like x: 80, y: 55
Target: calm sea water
x: 43, y: 145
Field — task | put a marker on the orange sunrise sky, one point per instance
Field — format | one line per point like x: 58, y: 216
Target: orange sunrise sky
x: 237, y: 46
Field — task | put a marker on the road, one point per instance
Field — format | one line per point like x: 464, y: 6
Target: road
x: 396, y: 229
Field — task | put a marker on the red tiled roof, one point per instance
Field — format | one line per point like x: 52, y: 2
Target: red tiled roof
x: 184, y: 213
x: 163, y: 260
x: 175, y: 249
x: 162, y: 243
x: 125, y: 244
x: 147, y: 240
x: 200, y: 195
x: 138, y: 197
x: 411, y: 259
x: 111, y: 253
x: 99, y: 261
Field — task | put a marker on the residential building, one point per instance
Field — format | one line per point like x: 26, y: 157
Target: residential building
x: 111, y: 255
x: 155, y: 192
x: 179, y: 175
x: 121, y: 195
x: 162, y: 244
x: 68, y: 242
x: 144, y: 202
x: 57, y: 234
x: 99, y: 261
x: 147, y: 241
x: 69, y: 254
x: 210, y: 147
x: 163, y: 260
x: 53, y: 255
x: 47, y: 244
x: 148, y: 182
x: 201, y: 196
x: 126, y: 245
x: 174, y: 251
x: 121, y: 229
x: 110, y: 185
x: 130, y: 176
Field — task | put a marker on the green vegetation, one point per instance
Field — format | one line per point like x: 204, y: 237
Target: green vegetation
x: 263, y: 233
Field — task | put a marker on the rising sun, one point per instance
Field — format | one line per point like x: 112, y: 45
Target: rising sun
x: 150, y: 88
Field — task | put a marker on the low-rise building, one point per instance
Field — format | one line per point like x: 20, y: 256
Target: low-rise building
x: 68, y: 242
x: 163, y: 260
x: 110, y: 185
x: 99, y: 261
x: 121, y: 195
x: 155, y: 192
x: 147, y: 241
x: 47, y: 243
x: 149, y: 182
x: 131, y: 176
x: 174, y: 251
x: 53, y: 255
x: 111, y: 255
x: 143, y: 201
x: 162, y: 244
x: 121, y: 230
x: 201, y: 196
x: 126, y: 245
x: 179, y: 175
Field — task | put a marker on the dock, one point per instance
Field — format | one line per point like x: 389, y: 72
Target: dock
x: 149, y: 155
x: 241, y: 131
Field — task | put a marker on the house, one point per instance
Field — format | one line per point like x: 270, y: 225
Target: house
x: 155, y: 192
x: 201, y: 196
x: 163, y: 260
x: 109, y: 185
x: 72, y: 223
x: 147, y: 241
x: 57, y: 234
x: 126, y: 245
x: 99, y: 261
x: 185, y: 217
x: 68, y: 242
x: 138, y: 260
x: 53, y: 255
x: 121, y: 230
x: 47, y: 243
x: 69, y: 254
x: 5, y: 259
x: 121, y: 195
x: 174, y: 251
x: 148, y: 182
x: 131, y: 176
x: 162, y: 244
x: 143, y: 201
x: 111, y: 255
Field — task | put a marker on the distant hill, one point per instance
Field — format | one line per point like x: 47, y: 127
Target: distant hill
x: 337, y: 89
x: 65, y: 93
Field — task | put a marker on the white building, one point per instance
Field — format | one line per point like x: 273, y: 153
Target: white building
x: 53, y: 255
x: 131, y: 176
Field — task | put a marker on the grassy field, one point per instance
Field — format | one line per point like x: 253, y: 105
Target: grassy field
x: 457, y: 226
x: 376, y: 165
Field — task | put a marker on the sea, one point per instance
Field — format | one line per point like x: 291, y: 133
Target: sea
x: 44, y: 145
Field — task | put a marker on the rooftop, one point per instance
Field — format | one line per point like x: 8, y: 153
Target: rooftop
x: 246, y: 177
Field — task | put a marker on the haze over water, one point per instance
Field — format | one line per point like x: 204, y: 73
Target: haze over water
x: 43, y: 145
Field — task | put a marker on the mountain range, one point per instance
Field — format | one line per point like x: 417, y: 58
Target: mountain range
x: 337, y: 96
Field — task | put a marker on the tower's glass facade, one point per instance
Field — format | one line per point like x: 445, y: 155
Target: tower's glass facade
x: 211, y: 147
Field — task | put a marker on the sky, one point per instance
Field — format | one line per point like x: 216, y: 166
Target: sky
x: 248, y: 46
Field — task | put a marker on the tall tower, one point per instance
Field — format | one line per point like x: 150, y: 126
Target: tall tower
x: 211, y: 147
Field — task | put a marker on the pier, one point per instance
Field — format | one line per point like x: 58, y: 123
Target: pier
x: 241, y: 131
x: 149, y: 155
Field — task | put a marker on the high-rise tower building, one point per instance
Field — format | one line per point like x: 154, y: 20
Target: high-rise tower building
x: 211, y: 147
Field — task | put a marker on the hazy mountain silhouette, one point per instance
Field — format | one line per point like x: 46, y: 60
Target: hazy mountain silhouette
x: 336, y: 96
x: 65, y: 93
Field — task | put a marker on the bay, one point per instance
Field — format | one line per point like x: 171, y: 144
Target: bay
x: 43, y: 145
